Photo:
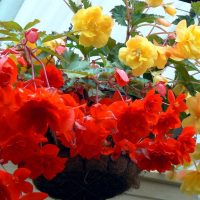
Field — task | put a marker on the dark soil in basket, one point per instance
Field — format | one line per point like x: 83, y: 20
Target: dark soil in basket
x: 91, y: 179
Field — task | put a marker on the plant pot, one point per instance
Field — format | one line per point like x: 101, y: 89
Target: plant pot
x: 91, y: 179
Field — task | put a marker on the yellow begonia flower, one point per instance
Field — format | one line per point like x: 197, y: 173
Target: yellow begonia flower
x: 154, y: 3
x: 188, y: 42
x: 93, y: 26
x: 140, y: 54
x: 162, y: 57
x: 191, y: 183
x: 169, y: 9
x: 193, y: 104
x: 54, y: 43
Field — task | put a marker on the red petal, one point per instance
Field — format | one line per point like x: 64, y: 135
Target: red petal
x: 34, y: 196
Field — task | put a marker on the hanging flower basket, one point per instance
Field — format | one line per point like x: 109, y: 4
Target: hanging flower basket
x: 84, y: 125
x: 89, y: 179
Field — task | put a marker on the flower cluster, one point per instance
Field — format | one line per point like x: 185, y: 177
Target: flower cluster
x: 141, y: 128
x: 17, y: 187
x: 94, y: 27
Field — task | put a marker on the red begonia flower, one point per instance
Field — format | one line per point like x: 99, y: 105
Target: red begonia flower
x: 54, y: 76
x: 12, y: 187
x: 45, y: 162
x: 177, y: 104
x: 156, y: 155
x: 167, y: 120
x: 43, y: 109
x: 90, y: 139
x: 187, y: 142
x: 8, y: 71
x: 133, y: 123
x: 21, y: 146
x: 124, y: 147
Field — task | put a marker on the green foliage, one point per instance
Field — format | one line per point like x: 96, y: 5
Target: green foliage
x: 119, y: 13
x: 31, y: 24
x: 138, y: 18
x: 13, y: 39
x: 156, y: 38
x: 86, y: 3
x: 68, y: 58
x: 48, y: 51
x: 10, y: 26
x: 7, y: 32
x: 188, y: 19
x: 138, y: 6
x: 183, y: 77
x: 196, y: 7
x: 51, y: 37
x: 73, y: 6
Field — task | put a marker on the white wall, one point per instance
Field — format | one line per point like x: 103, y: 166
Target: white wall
x: 9, y: 9
x: 56, y: 16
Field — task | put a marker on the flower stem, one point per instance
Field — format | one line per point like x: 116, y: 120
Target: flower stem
x: 42, y: 64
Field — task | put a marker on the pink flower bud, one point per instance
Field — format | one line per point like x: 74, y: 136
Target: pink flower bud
x: 121, y: 77
x: 161, y: 88
x: 172, y: 36
x: 60, y: 49
x: 32, y: 35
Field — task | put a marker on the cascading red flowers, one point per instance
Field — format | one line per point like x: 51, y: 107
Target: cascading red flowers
x: 142, y: 129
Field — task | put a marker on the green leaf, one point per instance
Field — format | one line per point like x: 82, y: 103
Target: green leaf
x: 51, y: 37
x: 119, y: 13
x: 68, y: 58
x: 139, y: 18
x: 76, y: 74
x: 156, y: 38
x: 190, y: 66
x: 50, y: 52
x: 73, y: 6
x: 79, y: 65
x: 188, y: 19
x: 184, y: 78
x: 86, y: 3
x: 7, y: 32
x: 31, y: 24
x: 186, y: 63
x: 139, y: 6
x: 11, y: 26
x: 12, y: 39
x: 196, y: 84
x: 196, y: 7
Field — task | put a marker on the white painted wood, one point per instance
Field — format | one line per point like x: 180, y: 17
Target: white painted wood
x: 9, y: 9
x: 56, y: 16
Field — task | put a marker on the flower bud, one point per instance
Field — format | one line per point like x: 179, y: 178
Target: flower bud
x: 163, y: 22
x: 172, y: 36
x: 60, y: 49
x: 32, y: 35
x: 169, y: 9
x: 154, y: 3
x: 121, y: 77
x: 161, y: 88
